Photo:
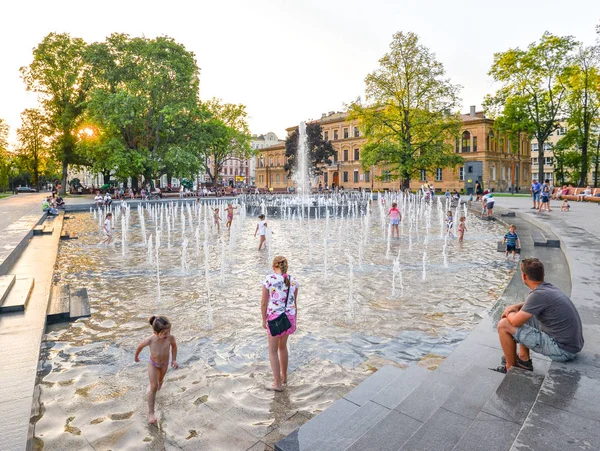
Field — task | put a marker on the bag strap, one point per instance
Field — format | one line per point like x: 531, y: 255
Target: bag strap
x: 288, y: 293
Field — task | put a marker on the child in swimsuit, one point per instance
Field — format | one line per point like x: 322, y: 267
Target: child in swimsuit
x: 161, y: 343
x: 230, y: 209
x: 462, y: 228
x: 395, y: 218
x: 261, y: 229
x: 216, y: 219
x: 449, y: 223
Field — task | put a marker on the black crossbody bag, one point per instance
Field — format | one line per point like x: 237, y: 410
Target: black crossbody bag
x: 282, y: 323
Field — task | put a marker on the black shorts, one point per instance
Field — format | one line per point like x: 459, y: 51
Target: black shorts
x: 510, y: 248
x: 545, y: 199
x: 490, y: 206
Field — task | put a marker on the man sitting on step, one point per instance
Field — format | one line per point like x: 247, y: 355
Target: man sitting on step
x: 547, y: 322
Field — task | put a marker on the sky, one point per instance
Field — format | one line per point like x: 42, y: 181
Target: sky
x: 292, y: 60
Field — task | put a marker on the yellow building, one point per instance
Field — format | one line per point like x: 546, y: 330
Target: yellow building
x: 488, y: 158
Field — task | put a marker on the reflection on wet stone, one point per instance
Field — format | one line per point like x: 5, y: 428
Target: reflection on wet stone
x: 93, y: 393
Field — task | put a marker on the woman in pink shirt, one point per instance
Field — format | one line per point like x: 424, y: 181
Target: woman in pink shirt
x: 395, y: 218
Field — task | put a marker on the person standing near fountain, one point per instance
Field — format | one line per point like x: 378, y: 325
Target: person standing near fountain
x: 449, y: 223
x: 216, y: 219
x: 462, y: 228
x: 230, y: 209
x: 261, y: 228
x: 107, y: 229
x: 278, y: 303
x: 161, y: 344
x: 395, y: 218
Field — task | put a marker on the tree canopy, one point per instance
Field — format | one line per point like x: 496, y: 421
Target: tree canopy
x: 33, y: 148
x: 320, y: 151
x: 407, y: 117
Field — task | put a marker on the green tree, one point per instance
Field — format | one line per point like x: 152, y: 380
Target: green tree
x: 535, y: 78
x: 33, y: 146
x: 227, y: 137
x: 320, y: 151
x: 57, y: 75
x: 407, y: 119
x: 145, y: 89
x: 5, y: 157
x: 583, y: 103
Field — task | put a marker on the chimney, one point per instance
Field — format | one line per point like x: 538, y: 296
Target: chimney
x: 472, y: 113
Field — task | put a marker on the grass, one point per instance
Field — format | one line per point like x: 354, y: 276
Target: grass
x: 5, y: 194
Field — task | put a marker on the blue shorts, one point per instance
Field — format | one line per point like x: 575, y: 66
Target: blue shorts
x: 536, y: 196
x: 531, y: 336
x: 395, y: 221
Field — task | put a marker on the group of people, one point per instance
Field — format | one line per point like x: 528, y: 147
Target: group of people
x: 51, y: 204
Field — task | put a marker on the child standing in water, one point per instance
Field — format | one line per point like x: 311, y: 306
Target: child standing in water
x: 449, y: 223
x: 161, y: 343
x: 261, y: 228
x: 230, y: 209
x: 107, y: 229
x: 462, y: 228
x: 217, y: 219
x: 511, y: 239
x: 395, y: 218
x: 279, y: 296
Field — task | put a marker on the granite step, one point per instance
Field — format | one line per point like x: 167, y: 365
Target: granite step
x: 79, y: 306
x: 372, y: 385
x: 67, y: 236
x: 47, y: 229
x: 540, y: 239
x: 19, y: 294
x: 400, y: 387
x: 59, y: 305
x: 6, y: 283
x: 38, y: 230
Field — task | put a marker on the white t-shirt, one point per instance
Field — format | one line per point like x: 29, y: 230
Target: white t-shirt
x: 262, y: 228
x: 98, y: 198
x: 106, y: 229
x: 107, y: 198
x: 488, y: 199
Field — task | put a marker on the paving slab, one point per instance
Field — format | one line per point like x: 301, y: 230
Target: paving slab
x: 387, y: 435
x: 17, y: 299
x: 439, y: 433
x: 6, y: 283
x: 373, y: 384
x: 488, y: 433
x: 399, y: 388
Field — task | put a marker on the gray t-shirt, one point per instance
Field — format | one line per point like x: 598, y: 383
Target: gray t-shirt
x: 559, y: 317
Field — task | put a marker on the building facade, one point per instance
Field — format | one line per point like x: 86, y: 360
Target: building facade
x: 489, y: 159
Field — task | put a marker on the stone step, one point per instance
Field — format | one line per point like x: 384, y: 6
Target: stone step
x: 6, y: 283
x: 47, y: 229
x: 18, y: 297
x: 59, y: 305
x: 79, y: 306
x: 38, y: 230
x: 508, y: 214
x: 372, y: 385
x: 540, y: 239
x: 497, y: 425
x: 399, y: 388
x: 67, y: 236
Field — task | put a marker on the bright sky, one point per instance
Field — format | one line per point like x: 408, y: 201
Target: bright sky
x: 292, y: 60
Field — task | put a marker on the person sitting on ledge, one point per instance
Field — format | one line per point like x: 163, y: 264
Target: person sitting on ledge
x: 547, y: 322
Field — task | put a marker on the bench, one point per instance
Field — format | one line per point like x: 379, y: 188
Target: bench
x: 572, y: 193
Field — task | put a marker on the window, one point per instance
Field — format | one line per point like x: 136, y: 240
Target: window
x: 501, y: 145
x: 367, y: 176
x: 438, y: 175
x: 503, y: 173
x: 271, y: 178
x: 524, y: 174
x: 489, y: 145
x: 326, y: 137
x: 461, y: 174
x: 335, y: 157
x: 386, y: 176
x: 423, y: 175
x: 335, y: 135
x: 561, y: 131
x: 325, y: 177
x: 356, y: 132
x: 548, y: 161
x: 345, y: 133
x: 534, y: 161
x: 466, y: 142
x: 474, y: 143
x: 547, y: 146
x: 345, y: 176
x: 457, y: 145
x: 356, y: 154
x: 356, y: 176
x: 271, y: 161
x: 284, y: 178
x: 493, y: 172
x: 277, y: 178
x: 535, y: 147
x: 345, y: 154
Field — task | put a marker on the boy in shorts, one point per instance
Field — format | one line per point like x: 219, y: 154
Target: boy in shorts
x: 511, y: 239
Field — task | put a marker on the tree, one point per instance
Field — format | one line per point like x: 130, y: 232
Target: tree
x: 145, y: 89
x: 320, y: 151
x: 5, y: 157
x: 33, y: 145
x: 583, y: 103
x: 227, y: 136
x: 57, y: 74
x: 535, y: 78
x: 407, y: 119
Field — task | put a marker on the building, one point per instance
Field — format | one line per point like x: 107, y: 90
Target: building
x: 488, y: 159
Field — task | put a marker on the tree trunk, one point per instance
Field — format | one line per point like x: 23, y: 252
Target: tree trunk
x: 65, y: 173
x: 541, y: 160
x: 597, y: 163
x: 584, y: 162
x: 169, y: 179
x: 106, y: 177
x: 135, y: 183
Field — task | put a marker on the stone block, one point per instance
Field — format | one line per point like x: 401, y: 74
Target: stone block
x: 59, y: 305
x: 6, y: 283
x: 373, y: 384
x: 515, y: 396
x: 468, y: 398
x: 393, y: 393
x: 387, y: 435
x: 440, y: 433
x: 488, y: 433
x: 550, y: 429
x: 79, y: 304
x: 19, y: 295
x: 303, y: 437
